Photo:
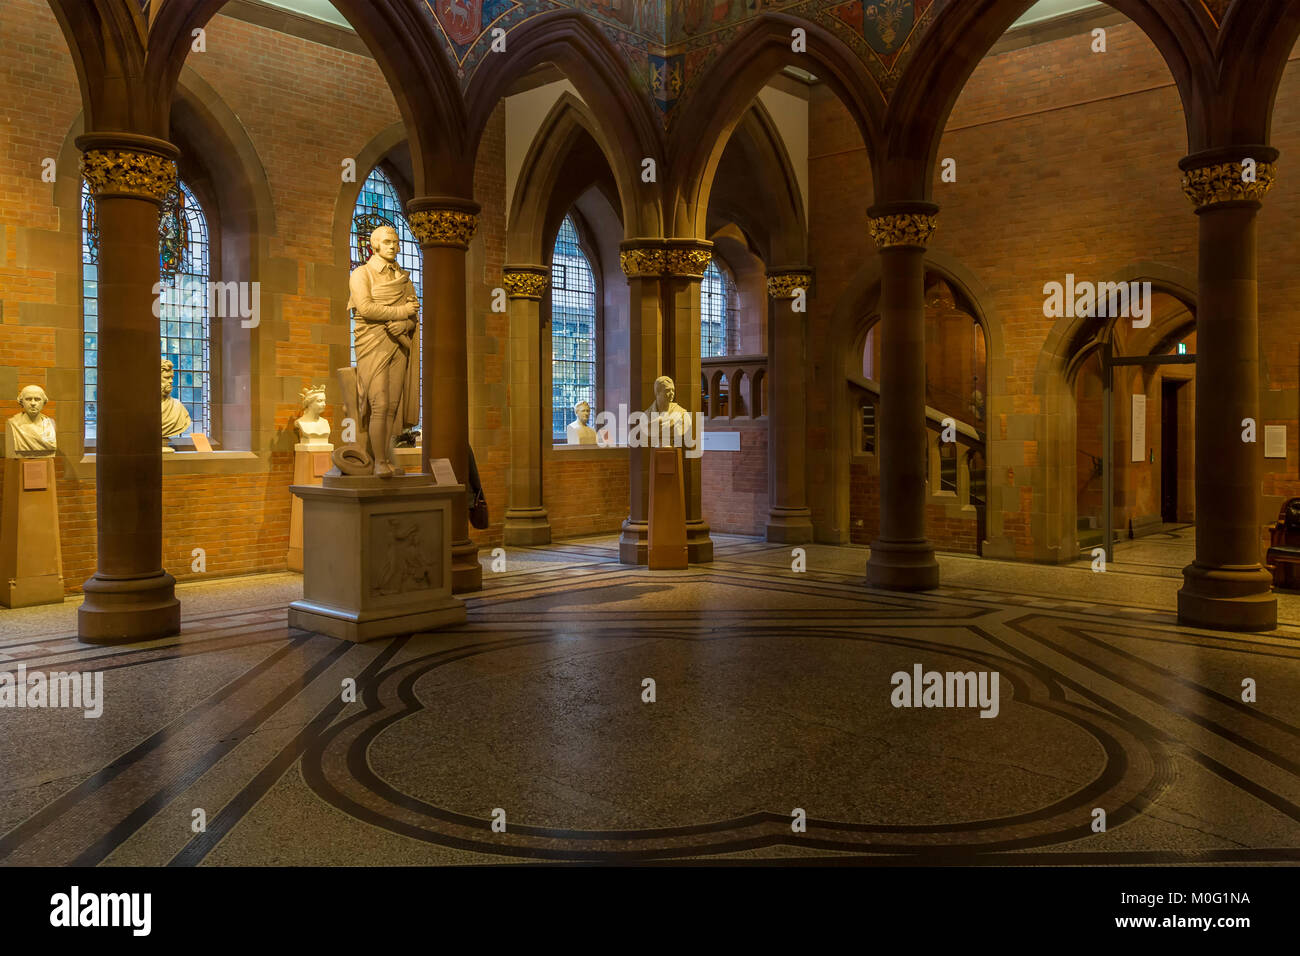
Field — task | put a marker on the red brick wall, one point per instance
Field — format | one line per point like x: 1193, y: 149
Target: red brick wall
x: 733, y: 491
x: 585, y: 495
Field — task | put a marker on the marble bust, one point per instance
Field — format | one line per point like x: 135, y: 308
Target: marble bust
x: 30, y: 434
x: 312, y: 429
x: 665, y: 413
x: 578, y: 431
x: 175, y: 418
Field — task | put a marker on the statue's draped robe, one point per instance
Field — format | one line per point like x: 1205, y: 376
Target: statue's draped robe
x: 175, y: 417
x: 378, y: 294
x: 32, y: 438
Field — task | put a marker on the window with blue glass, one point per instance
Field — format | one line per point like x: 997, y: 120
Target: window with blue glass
x: 718, y: 307
x: 573, y: 329
x: 183, y: 261
x: 378, y: 204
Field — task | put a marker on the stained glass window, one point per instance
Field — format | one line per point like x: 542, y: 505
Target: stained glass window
x: 183, y: 247
x: 717, y: 312
x: 379, y: 205
x: 573, y: 330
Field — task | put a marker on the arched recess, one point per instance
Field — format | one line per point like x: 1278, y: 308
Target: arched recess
x: 851, y: 320
x: 219, y: 162
x: 617, y: 116
x: 546, y: 166
x: 1070, y: 342
x: 755, y: 162
x: 399, y: 34
x: 723, y: 95
x: 962, y: 35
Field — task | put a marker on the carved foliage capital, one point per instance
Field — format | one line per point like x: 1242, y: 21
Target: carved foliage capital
x: 443, y: 227
x: 1228, y: 182
x: 782, y: 285
x: 524, y: 284
x: 640, y: 262
x: 129, y: 172
x: 902, y: 229
x: 665, y: 261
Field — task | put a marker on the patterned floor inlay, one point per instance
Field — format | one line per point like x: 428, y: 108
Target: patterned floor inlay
x: 775, y: 730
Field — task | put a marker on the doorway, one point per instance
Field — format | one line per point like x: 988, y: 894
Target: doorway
x: 1169, y: 451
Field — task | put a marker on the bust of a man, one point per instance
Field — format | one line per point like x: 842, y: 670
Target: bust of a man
x: 578, y: 431
x: 665, y: 413
x: 312, y: 429
x: 175, y: 417
x: 30, y: 434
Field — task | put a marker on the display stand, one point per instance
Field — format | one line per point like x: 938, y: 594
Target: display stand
x: 310, y: 462
x: 31, y: 559
x: 376, y: 557
x: 666, y: 536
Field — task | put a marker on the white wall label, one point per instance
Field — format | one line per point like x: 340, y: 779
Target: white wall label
x: 1274, y: 441
x: 1139, y: 449
x: 721, y: 441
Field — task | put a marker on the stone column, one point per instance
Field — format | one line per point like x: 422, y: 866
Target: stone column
x: 526, y: 522
x: 902, y: 558
x: 130, y: 597
x: 642, y: 261
x: 684, y: 268
x: 1226, y: 586
x: 444, y: 225
x: 790, y: 519
x: 664, y: 291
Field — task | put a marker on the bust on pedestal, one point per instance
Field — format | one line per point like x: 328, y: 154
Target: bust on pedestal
x: 311, y: 459
x: 578, y: 431
x: 175, y: 417
x: 31, y: 557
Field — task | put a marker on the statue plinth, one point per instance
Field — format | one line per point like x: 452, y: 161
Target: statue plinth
x: 376, y: 557
x: 31, y: 557
x: 310, y: 461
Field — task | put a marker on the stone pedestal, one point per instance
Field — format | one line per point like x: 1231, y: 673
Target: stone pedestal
x: 31, y: 561
x: 310, y: 462
x: 377, y: 557
x: 666, y: 545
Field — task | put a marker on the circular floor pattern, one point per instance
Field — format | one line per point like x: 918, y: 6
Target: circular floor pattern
x: 746, y: 726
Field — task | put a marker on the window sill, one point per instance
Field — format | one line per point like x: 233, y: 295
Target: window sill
x: 588, y: 452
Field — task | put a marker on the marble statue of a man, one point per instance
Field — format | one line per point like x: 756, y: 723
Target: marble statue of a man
x: 175, y: 417
x: 387, y: 339
x: 578, y: 431
x: 667, y: 414
x: 30, y: 434
x: 312, y: 429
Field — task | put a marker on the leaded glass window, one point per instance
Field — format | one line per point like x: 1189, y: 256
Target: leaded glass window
x: 717, y: 312
x: 184, y: 273
x: 573, y: 330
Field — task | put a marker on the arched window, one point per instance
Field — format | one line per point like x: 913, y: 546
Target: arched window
x: 717, y: 312
x: 573, y: 329
x: 378, y: 204
x: 183, y: 261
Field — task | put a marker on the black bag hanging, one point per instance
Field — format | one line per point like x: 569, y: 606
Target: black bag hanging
x: 478, y: 509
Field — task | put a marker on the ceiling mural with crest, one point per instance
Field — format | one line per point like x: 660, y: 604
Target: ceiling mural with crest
x: 670, y: 44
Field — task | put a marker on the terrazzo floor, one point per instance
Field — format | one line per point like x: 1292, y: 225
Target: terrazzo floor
x: 773, y: 731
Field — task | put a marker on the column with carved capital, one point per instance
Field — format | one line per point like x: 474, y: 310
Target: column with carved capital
x: 790, y: 520
x: 130, y: 597
x: 526, y: 521
x: 684, y: 265
x: 444, y: 226
x: 902, y: 558
x: 1226, y: 585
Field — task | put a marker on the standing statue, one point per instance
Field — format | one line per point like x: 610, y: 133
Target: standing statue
x: 175, y: 417
x: 312, y: 429
x: 30, y: 434
x: 382, y: 393
x: 578, y: 432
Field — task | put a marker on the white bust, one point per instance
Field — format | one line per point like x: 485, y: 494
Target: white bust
x: 175, y: 417
x: 30, y: 434
x: 312, y: 429
x: 665, y: 413
x: 578, y: 431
